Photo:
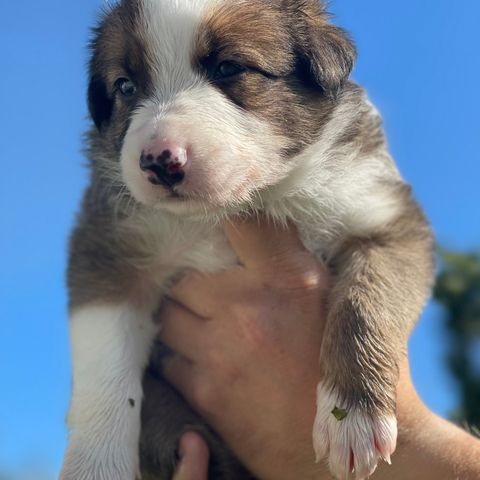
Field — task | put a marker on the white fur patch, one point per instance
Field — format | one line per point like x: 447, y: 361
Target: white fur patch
x: 168, y: 30
x: 334, y: 193
x: 110, y: 348
x: 355, y: 444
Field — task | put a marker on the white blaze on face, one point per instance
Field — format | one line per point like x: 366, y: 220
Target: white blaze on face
x: 232, y: 152
x: 169, y: 29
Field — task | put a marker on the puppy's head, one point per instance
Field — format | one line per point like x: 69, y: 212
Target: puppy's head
x: 203, y: 103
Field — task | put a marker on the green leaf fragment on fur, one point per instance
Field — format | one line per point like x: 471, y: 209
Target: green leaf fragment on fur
x: 131, y: 401
x: 339, y: 414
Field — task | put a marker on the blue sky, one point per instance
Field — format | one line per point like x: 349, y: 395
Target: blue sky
x: 420, y: 63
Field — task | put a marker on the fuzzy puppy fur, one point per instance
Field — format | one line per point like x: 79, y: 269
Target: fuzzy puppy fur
x: 204, y: 109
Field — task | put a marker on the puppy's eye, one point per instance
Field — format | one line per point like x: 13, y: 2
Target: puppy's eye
x: 126, y: 87
x: 228, y: 70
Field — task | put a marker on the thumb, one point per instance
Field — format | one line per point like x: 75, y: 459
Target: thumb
x: 194, y: 456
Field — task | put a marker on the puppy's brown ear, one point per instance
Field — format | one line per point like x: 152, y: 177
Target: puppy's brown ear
x: 326, y: 50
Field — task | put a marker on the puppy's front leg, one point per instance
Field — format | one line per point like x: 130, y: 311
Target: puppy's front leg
x: 110, y: 348
x: 381, y: 285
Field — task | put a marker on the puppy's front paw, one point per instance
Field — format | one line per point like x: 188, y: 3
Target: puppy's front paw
x: 353, y: 440
x: 99, y: 462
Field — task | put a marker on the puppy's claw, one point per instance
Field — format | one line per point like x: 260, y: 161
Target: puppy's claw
x: 354, y: 445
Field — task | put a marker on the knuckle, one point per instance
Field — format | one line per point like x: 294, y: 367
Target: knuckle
x: 309, y: 279
x: 308, y: 276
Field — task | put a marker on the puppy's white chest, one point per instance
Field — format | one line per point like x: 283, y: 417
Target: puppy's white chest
x: 170, y: 249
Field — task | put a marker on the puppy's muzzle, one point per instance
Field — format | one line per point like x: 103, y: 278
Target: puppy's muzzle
x: 164, y: 162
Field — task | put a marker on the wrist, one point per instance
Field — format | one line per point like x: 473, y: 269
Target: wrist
x: 428, y: 444
x: 303, y: 468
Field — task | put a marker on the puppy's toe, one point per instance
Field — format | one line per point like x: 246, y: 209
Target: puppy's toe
x: 353, y: 440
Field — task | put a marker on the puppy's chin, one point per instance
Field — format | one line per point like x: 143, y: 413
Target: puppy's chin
x: 194, y: 196
x: 188, y: 207
x: 181, y: 201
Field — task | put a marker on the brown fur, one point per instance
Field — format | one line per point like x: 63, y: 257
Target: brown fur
x: 381, y: 283
x: 118, y: 51
x: 274, y: 40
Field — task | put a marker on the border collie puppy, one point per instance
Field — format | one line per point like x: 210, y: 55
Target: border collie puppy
x: 204, y: 109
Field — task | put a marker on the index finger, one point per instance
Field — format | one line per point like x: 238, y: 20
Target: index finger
x: 258, y: 240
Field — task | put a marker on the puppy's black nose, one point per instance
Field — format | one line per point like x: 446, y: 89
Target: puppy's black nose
x: 165, y: 168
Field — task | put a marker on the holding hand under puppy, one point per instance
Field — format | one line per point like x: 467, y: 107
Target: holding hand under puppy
x: 256, y: 384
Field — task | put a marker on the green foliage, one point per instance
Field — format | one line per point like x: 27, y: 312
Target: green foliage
x: 458, y: 290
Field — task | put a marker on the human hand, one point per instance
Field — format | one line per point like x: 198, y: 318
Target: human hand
x: 248, y: 341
